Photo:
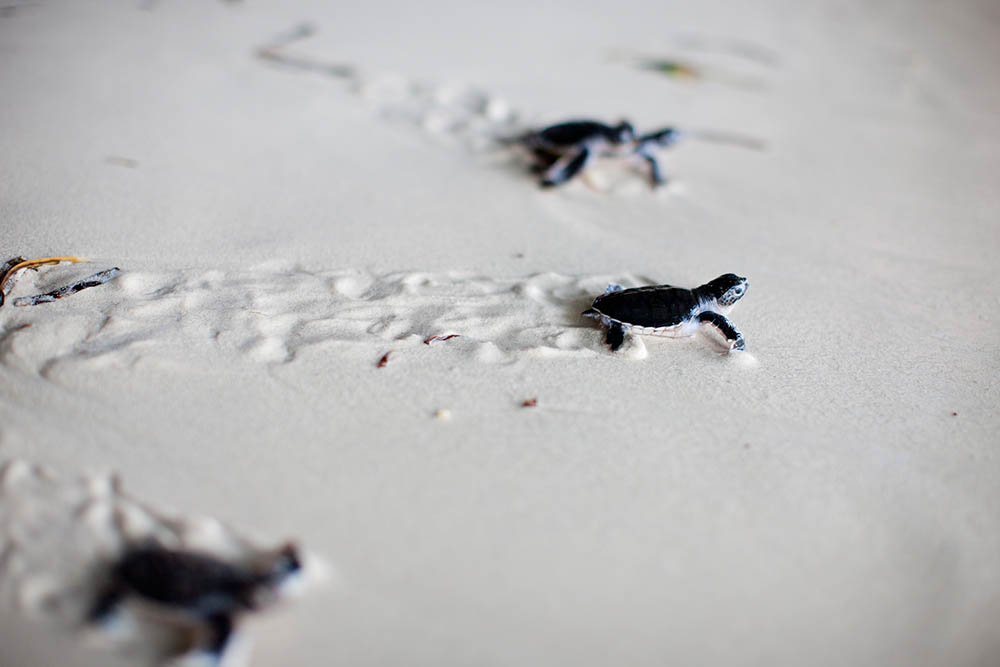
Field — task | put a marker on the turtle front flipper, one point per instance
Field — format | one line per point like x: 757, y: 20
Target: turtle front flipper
x: 615, y: 336
x: 656, y: 178
x: 722, y: 323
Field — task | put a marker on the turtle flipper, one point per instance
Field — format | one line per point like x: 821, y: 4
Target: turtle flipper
x: 655, y: 175
x: 105, y: 604
x: 221, y: 626
x: 722, y: 323
x: 566, y: 168
x: 615, y: 336
x: 544, y: 159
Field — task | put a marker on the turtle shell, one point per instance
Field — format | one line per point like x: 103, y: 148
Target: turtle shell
x: 655, y: 306
x: 571, y: 133
x: 183, y: 579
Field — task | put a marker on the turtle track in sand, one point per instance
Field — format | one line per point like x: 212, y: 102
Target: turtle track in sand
x: 271, y: 315
x: 450, y: 112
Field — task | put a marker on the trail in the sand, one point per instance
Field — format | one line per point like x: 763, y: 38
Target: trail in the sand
x: 270, y: 314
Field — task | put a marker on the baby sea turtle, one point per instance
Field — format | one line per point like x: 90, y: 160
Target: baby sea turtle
x: 195, y: 587
x: 562, y: 151
x: 664, y: 310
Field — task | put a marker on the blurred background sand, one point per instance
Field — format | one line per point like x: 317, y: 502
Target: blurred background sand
x: 827, y: 498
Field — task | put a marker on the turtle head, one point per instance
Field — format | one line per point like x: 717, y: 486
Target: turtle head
x: 287, y: 562
x: 622, y: 133
x: 727, y: 289
x: 274, y: 575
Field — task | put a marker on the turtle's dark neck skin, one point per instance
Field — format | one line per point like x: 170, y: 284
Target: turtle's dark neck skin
x: 725, y: 290
x: 705, y: 294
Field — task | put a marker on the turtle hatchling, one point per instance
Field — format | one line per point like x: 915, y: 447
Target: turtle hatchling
x: 561, y: 151
x: 664, y: 310
x: 196, y: 588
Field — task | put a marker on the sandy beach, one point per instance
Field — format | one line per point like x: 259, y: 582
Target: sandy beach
x: 301, y: 196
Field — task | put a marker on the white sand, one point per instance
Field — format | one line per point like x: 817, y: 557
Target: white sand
x: 811, y: 501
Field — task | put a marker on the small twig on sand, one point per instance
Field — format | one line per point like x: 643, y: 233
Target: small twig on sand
x: 435, y: 339
x: 275, y: 53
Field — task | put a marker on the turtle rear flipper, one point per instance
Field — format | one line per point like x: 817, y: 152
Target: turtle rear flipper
x: 566, y: 168
x: 106, y: 604
x: 615, y: 336
x: 221, y: 628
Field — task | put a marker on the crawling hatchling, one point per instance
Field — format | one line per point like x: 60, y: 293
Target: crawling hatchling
x: 664, y: 310
x: 196, y: 588
x: 561, y: 151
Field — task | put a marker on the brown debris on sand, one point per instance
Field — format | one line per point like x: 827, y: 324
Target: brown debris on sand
x: 435, y: 339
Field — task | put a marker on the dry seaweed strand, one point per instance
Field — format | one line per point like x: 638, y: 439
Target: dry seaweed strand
x: 98, y: 278
x: 20, y: 263
x: 671, y: 68
x: 14, y: 266
x: 683, y: 70
x: 5, y: 271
